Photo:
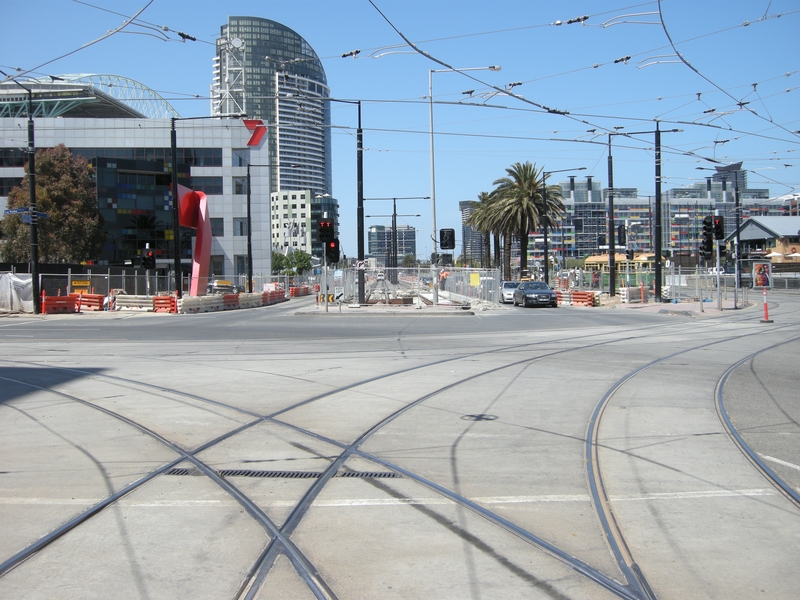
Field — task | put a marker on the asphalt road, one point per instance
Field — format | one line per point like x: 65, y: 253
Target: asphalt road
x: 536, y: 453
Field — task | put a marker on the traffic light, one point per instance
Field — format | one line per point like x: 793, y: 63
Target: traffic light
x: 601, y: 239
x: 332, y: 251
x: 149, y: 260
x: 707, y: 246
x: 719, y: 228
x: 629, y: 254
x: 447, y: 239
x: 621, y: 237
x: 326, y: 231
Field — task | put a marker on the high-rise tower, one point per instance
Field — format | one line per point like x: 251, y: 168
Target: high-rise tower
x: 267, y: 71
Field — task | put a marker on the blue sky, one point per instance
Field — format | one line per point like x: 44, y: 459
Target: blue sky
x: 735, y: 97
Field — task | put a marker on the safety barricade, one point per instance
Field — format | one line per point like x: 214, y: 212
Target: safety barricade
x: 165, y: 304
x: 250, y: 300
x: 230, y: 301
x: 200, y: 304
x: 273, y: 297
x: 302, y: 290
x: 133, y: 302
x: 584, y: 299
x: 59, y: 304
x: 89, y: 301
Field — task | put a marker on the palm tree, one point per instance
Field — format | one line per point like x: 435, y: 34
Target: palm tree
x: 481, y: 220
x: 517, y: 208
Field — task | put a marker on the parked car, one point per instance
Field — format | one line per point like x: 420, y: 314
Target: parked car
x: 223, y: 286
x: 507, y: 291
x: 535, y: 293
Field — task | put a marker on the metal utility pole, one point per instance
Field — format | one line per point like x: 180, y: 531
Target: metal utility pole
x: 176, y: 227
x: 360, y: 209
x: 657, y: 241
x: 612, y: 276
x: 34, y: 232
x: 545, y: 175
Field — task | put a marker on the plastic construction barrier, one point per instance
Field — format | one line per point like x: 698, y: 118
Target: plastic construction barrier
x: 165, y: 304
x: 302, y: 290
x: 584, y: 299
x: 230, y: 301
x: 60, y: 304
x: 89, y: 301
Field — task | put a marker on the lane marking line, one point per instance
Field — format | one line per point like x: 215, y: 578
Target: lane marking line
x: 780, y: 462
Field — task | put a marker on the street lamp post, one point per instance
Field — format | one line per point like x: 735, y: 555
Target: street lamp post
x: 360, y: 196
x: 250, y: 232
x: 394, y: 216
x: 545, y: 175
x: 34, y: 232
x: 433, y: 171
x: 658, y: 226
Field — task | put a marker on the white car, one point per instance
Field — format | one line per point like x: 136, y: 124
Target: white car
x: 507, y: 291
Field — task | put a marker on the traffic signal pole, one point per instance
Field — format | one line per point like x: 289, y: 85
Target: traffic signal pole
x: 719, y: 275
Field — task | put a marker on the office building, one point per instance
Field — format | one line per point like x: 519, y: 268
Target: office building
x: 269, y: 72
x: 132, y: 158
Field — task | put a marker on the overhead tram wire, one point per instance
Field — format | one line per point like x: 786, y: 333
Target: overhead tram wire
x: 500, y: 90
x: 688, y: 64
x: 86, y: 45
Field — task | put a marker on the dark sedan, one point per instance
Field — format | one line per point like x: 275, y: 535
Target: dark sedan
x: 535, y: 293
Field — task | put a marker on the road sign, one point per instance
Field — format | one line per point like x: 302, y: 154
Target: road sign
x: 360, y: 265
x: 338, y: 294
x: 17, y: 211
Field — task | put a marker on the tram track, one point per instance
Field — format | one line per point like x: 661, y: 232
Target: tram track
x: 280, y: 541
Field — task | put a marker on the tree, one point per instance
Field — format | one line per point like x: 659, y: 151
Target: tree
x: 517, y: 207
x: 409, y: 261
x: 300, y: 261
x: 65, y: 190
x: 279, y: 262
x: 482, y: 220
x: 296, y: 262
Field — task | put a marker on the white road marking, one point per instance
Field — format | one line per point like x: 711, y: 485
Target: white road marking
x: 356, y: 502
x: 780, y: 462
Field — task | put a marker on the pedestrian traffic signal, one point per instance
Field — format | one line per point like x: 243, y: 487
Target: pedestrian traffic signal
x: 707, y: 246
x: 621, y: 237
x: 149, y: 260
x: 332, y: 251
x: 326, y: 231
x: 719, y: 228
x: 447, y: 239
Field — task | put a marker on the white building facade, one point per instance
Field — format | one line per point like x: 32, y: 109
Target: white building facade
x: 133, y: 161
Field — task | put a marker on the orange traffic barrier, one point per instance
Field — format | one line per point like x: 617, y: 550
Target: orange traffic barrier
x: 88, y: 301
x: 230, y: 301
x: 584, y: 299
x: 165, y: 304
x: 59, y: 304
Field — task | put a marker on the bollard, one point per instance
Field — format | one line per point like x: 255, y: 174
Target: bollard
x: 766, y: 318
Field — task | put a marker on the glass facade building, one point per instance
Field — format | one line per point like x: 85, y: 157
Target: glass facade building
x: 269, y: 72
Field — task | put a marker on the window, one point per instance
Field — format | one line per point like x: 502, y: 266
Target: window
x: 241, y: 157
x: 240, y: 185
x: 240, y: 226
x: 217, y: 266
x: 211, y: 186
x: 241, y: 264
x: 217, y: 227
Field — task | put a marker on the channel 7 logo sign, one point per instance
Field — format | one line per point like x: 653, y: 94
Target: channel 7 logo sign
x: 258, y: 128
